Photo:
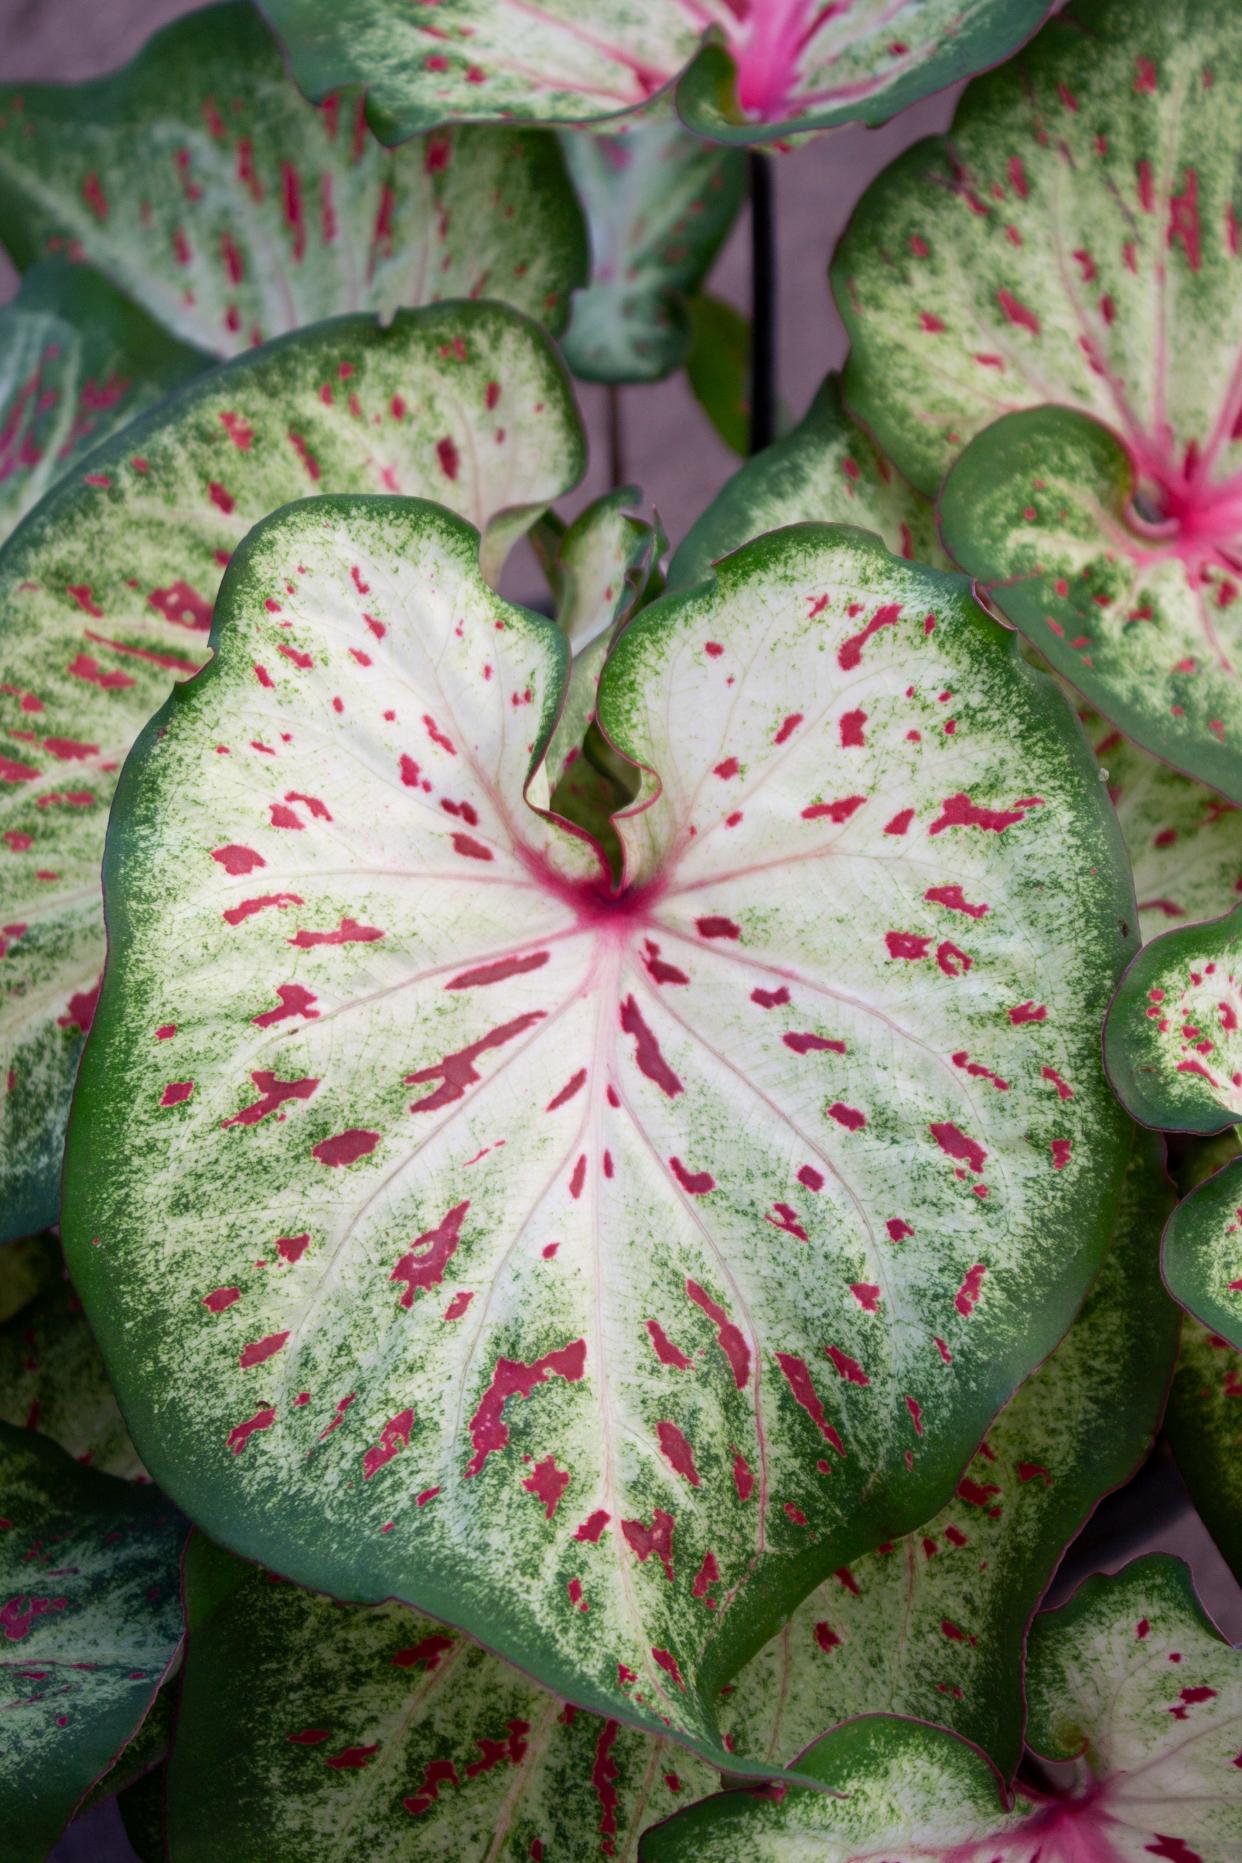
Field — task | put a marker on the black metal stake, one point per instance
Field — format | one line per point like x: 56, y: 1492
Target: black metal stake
x: 763, y: 303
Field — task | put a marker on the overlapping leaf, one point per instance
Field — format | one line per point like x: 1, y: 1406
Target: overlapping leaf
x: 90, y: 1619
x: 27, y: 1267
x: 106, y: 593
x: 658, y: 204
x: 200, y: 181
x: 1184, y: 841
x: 1204, y: 1426
x: 1203, y: 1252
x: 964, y: 1587
x: 1173, y: 1041
x: 600, y: 568
x: 312, y: 1730
x: 826, y: 470
x: 52, y: 1379
x: 718, y: 367
x: 746, y: 69
x: 77, y: 360
x: 1129, y: 1681
x: 625, y: 1262
x: 1075, y: 241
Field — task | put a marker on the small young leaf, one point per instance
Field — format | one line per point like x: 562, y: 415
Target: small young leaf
x: 964, y: 1587
x: 203, y: 185
x: 1173, y: 1039
x: 52, y: 1379
x: 1129, y: 1681
x: 1204, y: 1427
x: 1075, y: 242
x: 310, y: 1729
x: 90, y: 1612
x: 718, y: 367
x: 826, y: 470
x: 106, y: 594
x: 656, y: 1251
x: 77, y: 361
x: 1203, y: 1253
x: 757, y: 69
x: 1184, y: 841
x: 659, y: 205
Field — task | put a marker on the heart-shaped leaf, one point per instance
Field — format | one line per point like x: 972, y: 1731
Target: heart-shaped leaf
x: 964, y: 1587
x: 1075, y: 217
x: 311, y: 1729
x: 199, y: 180
x: 757, y: 68
x: 1173, y: 1040
x: 52, y: 1379
x: 1203, y: 1252
x: 106, y: 592
x: 1041, y: 510
x: 1184, y: 841
x: 1204, y: 1427
x: 659, y: 204
x: 77, y: 360
x: 1130, y: 1681
x: 90, y: 1619
x: 826, y: 470
x: 652, y: 1252
x: 1075, y: 241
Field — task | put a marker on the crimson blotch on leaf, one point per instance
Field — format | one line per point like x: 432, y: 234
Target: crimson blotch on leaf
x: 1059, y: 277
x: 205, y: 187
x: 106, y: 593
x: 744, y: 70
x: 594, y: 1269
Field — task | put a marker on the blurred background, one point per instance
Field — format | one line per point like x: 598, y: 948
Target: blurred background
x: 675, y: 455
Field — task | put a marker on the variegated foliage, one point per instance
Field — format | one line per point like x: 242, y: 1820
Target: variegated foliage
x: 965, y: 1585
x: 826, y: 470
x: 1173, y: 1041
x: 745, y: 70
x: 77, y: 361
x: 1129, y: 1682
x: 1203, y: 1253
x: 594, y: 1269
x: 1204, y: 1427
x: 313, y: 1732
x: 106, y: 594
x: 206, y: 188
x: 600, y: 569
x: 1074, y: 241
x: 52, y: 1378
x: 90, y: 1620
x: 1184, y: 841
x: 658, y: 206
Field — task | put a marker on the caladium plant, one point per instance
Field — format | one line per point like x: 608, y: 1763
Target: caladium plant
x: 307, y: 1728
x: 90, y: 1618
x: 52, y: 1378
x: 601, y: 1178
x: 744, y: 70
x: 788, y: 1200
x: 106, y: 593
x: 1074, y: 242
x: 965, y: 1585
x: 659, y: 204
x: 77, y: 361
x: 1204, y: 1427
x: 1130, y: 1684
x: 204, y: 186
